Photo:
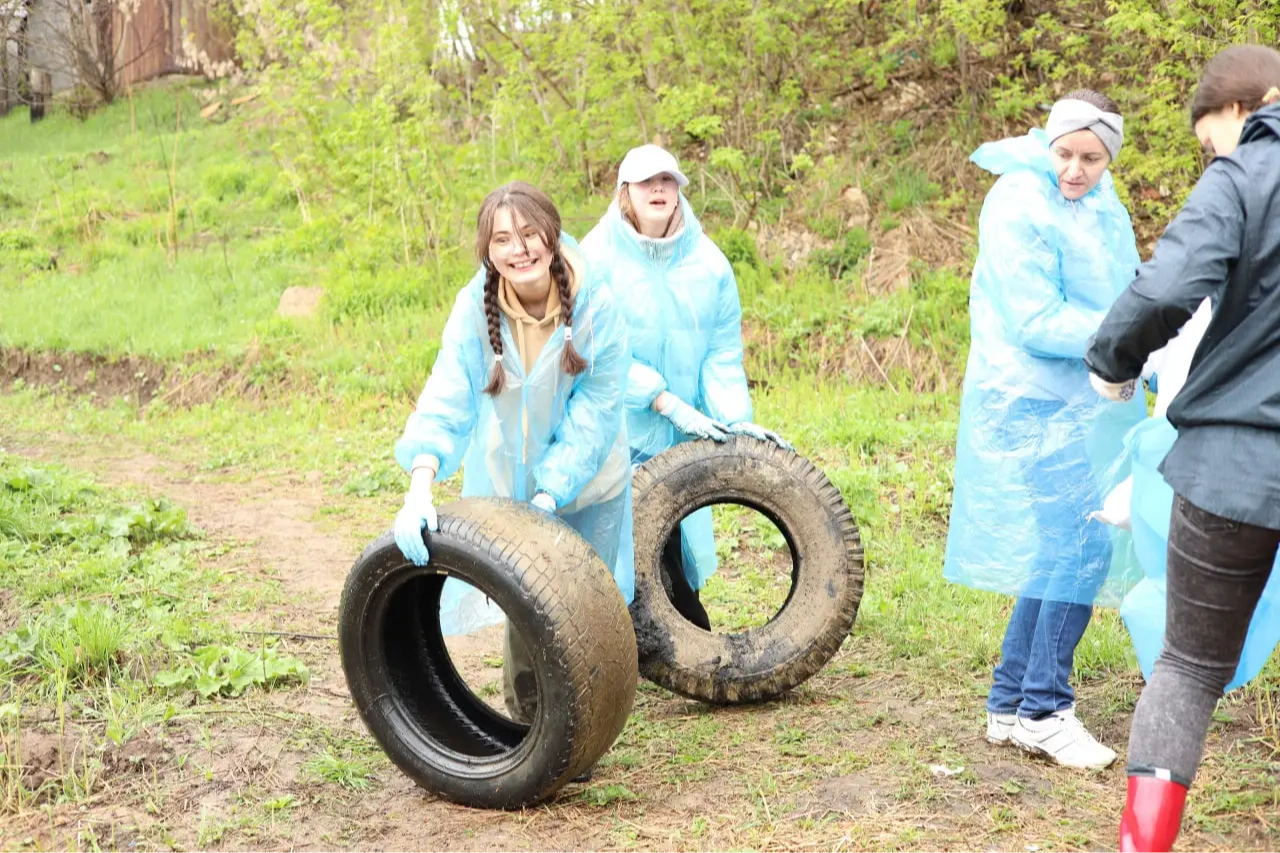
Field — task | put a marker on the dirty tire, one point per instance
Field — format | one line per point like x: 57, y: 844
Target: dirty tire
x: 826, y: 552
x: 559, y: 596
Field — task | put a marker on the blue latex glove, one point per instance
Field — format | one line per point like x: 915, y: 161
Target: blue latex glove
x: 544, y: 502
x: 690, y: 421
x: 418, y: 512
x: 759, y: 433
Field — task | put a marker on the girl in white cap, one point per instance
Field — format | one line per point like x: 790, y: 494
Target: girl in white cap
x: 679, y: 295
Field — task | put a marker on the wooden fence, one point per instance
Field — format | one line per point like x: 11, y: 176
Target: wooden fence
x: 151, y: 38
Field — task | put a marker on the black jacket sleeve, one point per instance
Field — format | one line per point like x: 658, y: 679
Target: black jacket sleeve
x: 1193, y: 260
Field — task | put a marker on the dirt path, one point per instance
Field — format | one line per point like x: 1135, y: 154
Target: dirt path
x: 272, y: 524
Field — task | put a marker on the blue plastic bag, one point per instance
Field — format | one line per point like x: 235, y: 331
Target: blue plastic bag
x: 1143, y: 609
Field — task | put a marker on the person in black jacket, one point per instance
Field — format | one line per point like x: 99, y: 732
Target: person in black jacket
x: 1225, y: 464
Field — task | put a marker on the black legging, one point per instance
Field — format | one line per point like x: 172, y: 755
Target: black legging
x: 1217, y: 571
x: 683, y: 596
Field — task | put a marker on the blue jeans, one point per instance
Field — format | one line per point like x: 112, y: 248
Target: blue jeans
x: 1036, y: 658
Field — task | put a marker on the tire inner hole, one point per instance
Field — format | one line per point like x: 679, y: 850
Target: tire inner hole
x: 729, y: 568
x: 450, y: 687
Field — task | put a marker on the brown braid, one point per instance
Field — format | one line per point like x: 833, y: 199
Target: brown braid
x: 498, y: 378
x: 571, y: 361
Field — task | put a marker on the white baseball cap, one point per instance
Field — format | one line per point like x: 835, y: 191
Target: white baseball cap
x: 644, y: 162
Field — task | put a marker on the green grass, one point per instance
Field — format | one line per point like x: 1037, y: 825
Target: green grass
x: 910, y: 187
x: 105, y: 591
x: 119, y: 620
x: 348, y: 772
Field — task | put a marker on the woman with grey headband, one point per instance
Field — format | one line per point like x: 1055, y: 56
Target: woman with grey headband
x: 1036, y: 445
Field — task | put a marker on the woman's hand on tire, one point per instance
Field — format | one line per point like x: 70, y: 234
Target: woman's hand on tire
x: 760, y: 434
x: 417, y: 513
x: 690, y: 421
x: 544, y: 502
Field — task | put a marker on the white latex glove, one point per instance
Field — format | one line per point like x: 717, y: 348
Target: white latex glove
x: 1115, y: 509
x: 544, y: 502
x: 418, y: 512
x: 689, y: 420
x: 759, y: 433
x: 1117, y: 392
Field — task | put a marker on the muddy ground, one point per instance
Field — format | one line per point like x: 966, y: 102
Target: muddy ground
x: 856, y: 759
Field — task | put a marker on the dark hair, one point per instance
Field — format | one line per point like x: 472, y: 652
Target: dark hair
x: 1093, y: 98
x: 1242, y: 74
x: 530, y: 204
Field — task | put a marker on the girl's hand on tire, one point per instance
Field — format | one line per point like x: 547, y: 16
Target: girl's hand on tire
x: 417, y: 513
x: 760, y: 434
x: 544, y: 502
x: 689, y: 420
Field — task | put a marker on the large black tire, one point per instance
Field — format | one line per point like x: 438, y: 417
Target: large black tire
x: 559, y: 596
x: 826, y: 581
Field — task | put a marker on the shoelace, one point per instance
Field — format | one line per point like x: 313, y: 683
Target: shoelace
x: 1078, y: 732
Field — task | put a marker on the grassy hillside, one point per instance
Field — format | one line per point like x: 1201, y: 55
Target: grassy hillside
x: 142, y: 255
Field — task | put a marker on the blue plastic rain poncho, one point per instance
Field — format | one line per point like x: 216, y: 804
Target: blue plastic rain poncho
x: 1037, y: 447
x: 1148, y: 515
x: 684, y: 320
x: 547, y: 431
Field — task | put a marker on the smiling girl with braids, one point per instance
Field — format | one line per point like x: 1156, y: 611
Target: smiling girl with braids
x: 529, y: 387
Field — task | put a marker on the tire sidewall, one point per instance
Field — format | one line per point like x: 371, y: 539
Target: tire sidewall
x: 765, y: 661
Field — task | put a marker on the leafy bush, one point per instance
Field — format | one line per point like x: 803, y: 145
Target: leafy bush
x: 751, y: 120
x: 845, y: 257
x: 739, y: 247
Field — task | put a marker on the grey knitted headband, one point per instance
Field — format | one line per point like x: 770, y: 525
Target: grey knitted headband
x: 1070, y: 115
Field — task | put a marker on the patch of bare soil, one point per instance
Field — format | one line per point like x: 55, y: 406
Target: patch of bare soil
x: 137, y: 379
x: 36, y: 756
x: 851, y: 795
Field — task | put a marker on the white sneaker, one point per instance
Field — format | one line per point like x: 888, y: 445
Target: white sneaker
x: 1000, y: 727
x: 1063, y: 739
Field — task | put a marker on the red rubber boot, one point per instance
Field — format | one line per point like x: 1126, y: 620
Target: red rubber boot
x: 1152, y: 815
